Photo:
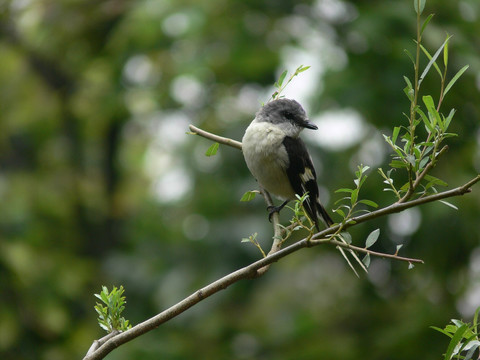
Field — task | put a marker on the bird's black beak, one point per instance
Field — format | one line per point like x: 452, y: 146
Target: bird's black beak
x: 309, y: 125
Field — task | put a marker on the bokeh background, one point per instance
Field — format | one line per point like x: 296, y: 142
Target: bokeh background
x: 101, y: 185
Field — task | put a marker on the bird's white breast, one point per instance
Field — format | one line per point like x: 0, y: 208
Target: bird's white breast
x: 267, y: 158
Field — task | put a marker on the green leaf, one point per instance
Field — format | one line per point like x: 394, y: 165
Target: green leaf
x: 457, y: 337
x: 372, y: 238
x: 449, y: 118
x: 444, y: 332
x: 369, y: 203
x: 432, y: 61
x: 455, y: 78
x: 364, y: 168
x: 411, y: 159
x: 396, y: 130
x: 354, y: 197
x: 344, y: 190
x: 448, y: 204
x: 279, y: 83
x: 407, y: 80
x: 340, y: 212
x: 410, y: 56
x: 212, y: 150
x: 435, y: 181
x: 366, y: 260
x: 419, y: 5
x: 423, y: 162
x: 249, y: 195
x: 301, y: 69
x: 346, y: 236
x: 473, y: 346
x: 425, y: 23
x: 429, y: 126
x: 397, y: 164
x: 445, y: 52
x: 428, y: 101
x: 475, y: 320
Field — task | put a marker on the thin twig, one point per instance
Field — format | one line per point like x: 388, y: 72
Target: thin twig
x: 216, y: 138
x: 374, y: 253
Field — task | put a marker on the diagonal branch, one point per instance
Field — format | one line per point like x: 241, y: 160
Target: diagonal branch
x: 259, y: 267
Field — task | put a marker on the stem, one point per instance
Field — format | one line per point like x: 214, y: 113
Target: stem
x: 216, y: 138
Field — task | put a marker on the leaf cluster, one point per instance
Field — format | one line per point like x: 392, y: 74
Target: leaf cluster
x: 464, y: 339
x: 349, y: 203
x: 417, y: 153
x: 109, y: 314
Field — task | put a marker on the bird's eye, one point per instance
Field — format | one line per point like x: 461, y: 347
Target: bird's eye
x: 288, y: 115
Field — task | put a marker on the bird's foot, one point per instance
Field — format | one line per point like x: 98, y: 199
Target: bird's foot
x: 275, y: 209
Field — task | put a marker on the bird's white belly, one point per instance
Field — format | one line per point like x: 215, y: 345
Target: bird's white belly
x: 267, y: 158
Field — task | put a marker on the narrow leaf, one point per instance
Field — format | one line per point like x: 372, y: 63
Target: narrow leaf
x: 471, y: 351
x: 212, y: 150
x: 279, y: 83
x: 419, y: 6
x: 432, y: 61
x: 475, y: 320
x: 366, y: 260
x: 354, y: 197
x: 249, y: 195
x: 369, y: 203
x: 301, y: 69
x: 410, y: 56
x: 449, y: 118
x: 397, y: 164
x: 423, y: 162
x: 411, y: 159
x: 347, y: 260
x: 372, y: 238
x: 346, y: 237
x: 425, y: 23
x: 409, y: 83
x: 455, y: 78
x: 428, y: 101
x: 445, y: 53
x: 430, y: 127
x: 396, y: 130
x: 457, y: 337
x: 344, y: 190
x: 441, y: 330
x: 449, y: 204
x: 435, y: 181
x: 340, y: 212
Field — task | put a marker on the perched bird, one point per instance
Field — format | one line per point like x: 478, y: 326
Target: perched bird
x: 278, y: 158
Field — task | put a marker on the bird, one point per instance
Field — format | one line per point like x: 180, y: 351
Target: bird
x: 278, y: 158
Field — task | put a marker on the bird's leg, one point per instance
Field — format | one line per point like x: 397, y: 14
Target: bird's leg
x: 275, y: 209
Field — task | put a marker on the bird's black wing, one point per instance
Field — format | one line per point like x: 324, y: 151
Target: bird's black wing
x: 303, y: 178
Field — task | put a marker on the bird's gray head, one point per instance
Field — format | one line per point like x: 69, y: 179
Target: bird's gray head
x: 287, y: 114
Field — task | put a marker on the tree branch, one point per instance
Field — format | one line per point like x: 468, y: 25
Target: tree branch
x: 216, y: 138
x: 107, y: 344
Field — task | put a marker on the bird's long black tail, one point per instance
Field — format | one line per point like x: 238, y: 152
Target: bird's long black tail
x: 317, y: 213
x: 323, y: 214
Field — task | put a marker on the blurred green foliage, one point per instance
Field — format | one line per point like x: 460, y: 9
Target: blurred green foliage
x: 100, y: 185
